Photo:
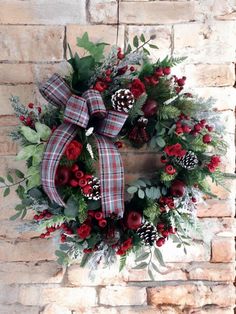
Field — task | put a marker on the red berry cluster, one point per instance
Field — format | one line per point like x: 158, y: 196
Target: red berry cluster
x: 166, y: 201
x: 159, y: 72
x: 179, y: 83
x: 175, y: 150
x: 44, y: 214
x: 125, y: 246
x: 74, y: 177
x: 29, y: 119
x: 165, y: 231
x: 97, y: 215
x: 214, y: 163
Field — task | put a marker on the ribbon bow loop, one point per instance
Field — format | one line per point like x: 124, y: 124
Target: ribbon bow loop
x: 78, y: 111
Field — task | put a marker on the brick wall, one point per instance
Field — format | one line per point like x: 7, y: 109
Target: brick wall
x: 33, y: 36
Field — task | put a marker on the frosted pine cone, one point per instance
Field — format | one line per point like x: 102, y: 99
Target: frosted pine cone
x: 148, y: 233
x: 122, y: 100
x: 92, y: 190
x: 189, y: 161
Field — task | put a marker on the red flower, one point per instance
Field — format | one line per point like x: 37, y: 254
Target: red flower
x: 84, y: 231
x: 211, y: 167
x: 137, y: 88
x: 73, y: 150
x: 100, y: 86
x: 127, y: 244
x: 170, y: 169
x: 215, y: 160
x: 62, y: 175
x: 175, y: 150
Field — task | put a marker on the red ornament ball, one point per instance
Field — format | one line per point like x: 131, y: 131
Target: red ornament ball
x: 134, y: 220
x: 177, y: 188
x: 150, y: 108
x: 206, y: 138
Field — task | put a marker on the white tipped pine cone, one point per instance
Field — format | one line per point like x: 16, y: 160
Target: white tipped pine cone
x: 122, y: 100
x: 148, y: 233
x: 189, y: 161
x: 95, y: 193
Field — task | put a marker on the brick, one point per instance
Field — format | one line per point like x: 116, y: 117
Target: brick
x: 8, y: 294
x: 34, y: 250
x: 223, y: 249
x: 55, y: 309
x: 163, y: 38
x: 103, y: 11
x: 211, y: 271
x: 8, y: 120
x: 125, y: 310
x: 81, y: 276
x: 31, y: 43
x: 21, y: 73
x: 18, y: 229
x: 205, y: 42
x: 194, y: 295
x: 158, y: 12
x: 203, y: 75
x: 18, y: 309
x: 7, y: 146
x: 25, y: 272
x: 97, y: 33
x: 216, y: 208
x: 70, y: 298
x: 123, y: 296
x: 42, y: 12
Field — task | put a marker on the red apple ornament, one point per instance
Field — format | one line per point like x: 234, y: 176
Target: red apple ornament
x: 177, y: 188
x: 150, y: 108
x: 133, y: 220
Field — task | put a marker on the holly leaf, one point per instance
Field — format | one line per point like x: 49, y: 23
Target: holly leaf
x: 31, y: 135
x: 43, y: 130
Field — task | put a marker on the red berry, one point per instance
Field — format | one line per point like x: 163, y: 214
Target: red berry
x: 194, y: 200
x: 165, y: 233
x: 42, y: 236
x: 22, y: 118
x: 108, y: 79
x: 69, y: 231
x: 41, y: 216
x: 197, y: 127
x: 209, y: 128
x: 75, y: 168
x: 98, y: 215
x: 167, y: 70
x: 79, y: 174
x: 160, y: 226
x: 63, y: 238
x: 160, y: 242
x: 39, y: 109
x: 31, y: 105
x: 36, y: 217
x: 108, y: 72
x: 74, y: 183
x: 51, y: 229
x: 88, y: 176
x: 83, y: 182
x: 206, y: 138
x: 186, y: 129
x: 48, y: 215
x: 179, y: 131
x: 120, y: 55
x: 119, y: 144
x: 45, y: 211
x: 47, y: 234
x: 159, y: 72
x: 132, y: 69
x: 102, y: 223
x: 203, y: 122
x: 181, y: 82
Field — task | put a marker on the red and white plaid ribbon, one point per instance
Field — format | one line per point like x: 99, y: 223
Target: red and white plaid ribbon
x: 78, y: 111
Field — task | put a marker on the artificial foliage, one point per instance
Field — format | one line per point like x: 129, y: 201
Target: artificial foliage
x: 182, y: 128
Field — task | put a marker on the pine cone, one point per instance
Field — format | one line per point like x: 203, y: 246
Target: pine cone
x: 95, y: 193
x: 122, y: 100
x: 188, y: 161
x: 148, y: 233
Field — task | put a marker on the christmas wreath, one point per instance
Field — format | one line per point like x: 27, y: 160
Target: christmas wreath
x: 102, y: 104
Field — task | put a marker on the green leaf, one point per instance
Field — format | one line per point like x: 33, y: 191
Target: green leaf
x: 154, y: 266
x: 20, y: 191
x: 43, y: 130
x: 150, y: 274
x: 35, y: 193
x: 142, y: 256
x: 85, y: 259
x: 153, y: 46
x: 33, y: 181
x: 140, y: 182
x: 9, y: 178
x: 23, y: 213
x: 19, y: 174
x: 159, y: 257
x: 129, y: 49
x: 146, y: 51
x: 17, y: 215
x: 71, y: 209
x: 160, y: 141
x: 26, y: 153
x: 2, y: 180
x: 38, y: 155
x: 132, y: 189
x: 19, y: 207
x: 6, y: 192
x: 141, y: 194
x: 141, y: 266
x: 31, y: 135
x: 136, y: 41
x: 142, y: 38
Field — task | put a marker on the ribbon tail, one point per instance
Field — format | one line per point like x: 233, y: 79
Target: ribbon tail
x: 55, y: 149
x: 112, y: 177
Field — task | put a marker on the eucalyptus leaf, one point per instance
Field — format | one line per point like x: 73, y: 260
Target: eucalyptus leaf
x: 160, y: 141
x: 43, y: 130
x: 154, y: 266
x: 140, y: 182
x: 71, y: 209
x: 141, y: 194
x: 17, y: 215
x: 26, y: 152
x: 142, y: 256
x: 31, y: 135
x: 132, y: 189
x: 159, y: 257
x: 141, y: 266
x: 150, y: 274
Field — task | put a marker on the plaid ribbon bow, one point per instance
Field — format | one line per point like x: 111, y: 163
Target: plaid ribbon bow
x: 78, y: 111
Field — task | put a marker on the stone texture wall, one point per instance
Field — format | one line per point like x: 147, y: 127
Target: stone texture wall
x: 33, y: 37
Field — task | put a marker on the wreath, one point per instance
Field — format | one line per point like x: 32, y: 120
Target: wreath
x: 74, y: 182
